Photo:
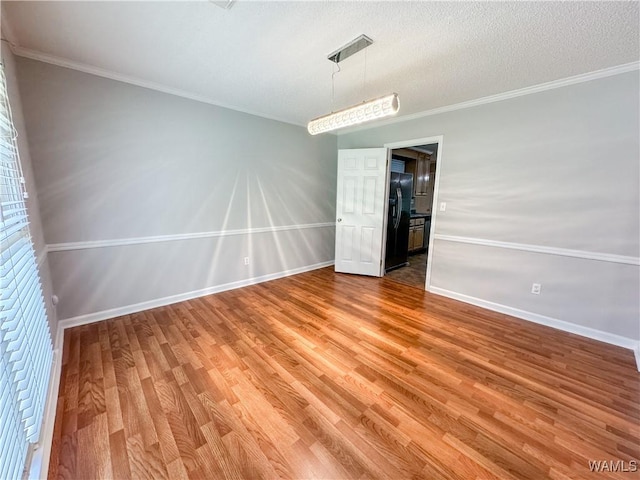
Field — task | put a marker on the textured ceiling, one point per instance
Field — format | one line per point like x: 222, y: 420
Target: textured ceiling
x: 269, y: 58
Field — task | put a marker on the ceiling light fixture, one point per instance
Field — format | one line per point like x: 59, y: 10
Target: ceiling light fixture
x: 356, y: 114
x: 366, y: 111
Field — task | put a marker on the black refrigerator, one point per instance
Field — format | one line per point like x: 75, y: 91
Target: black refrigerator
x: 398, y: 216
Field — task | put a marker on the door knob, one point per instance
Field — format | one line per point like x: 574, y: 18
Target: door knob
x: 339, y: 220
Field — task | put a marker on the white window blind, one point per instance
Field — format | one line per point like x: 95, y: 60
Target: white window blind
x: 25, y: 341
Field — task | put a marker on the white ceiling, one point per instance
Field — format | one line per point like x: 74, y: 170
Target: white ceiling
x: 270, y: 58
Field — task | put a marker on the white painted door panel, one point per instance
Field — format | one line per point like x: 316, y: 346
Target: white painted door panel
x: 360, y: 210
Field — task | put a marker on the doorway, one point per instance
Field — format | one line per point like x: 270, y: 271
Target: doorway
x: 411, y: 212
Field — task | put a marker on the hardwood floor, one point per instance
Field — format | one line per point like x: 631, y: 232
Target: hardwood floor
x: 413, y: 274
x: 333, y: 376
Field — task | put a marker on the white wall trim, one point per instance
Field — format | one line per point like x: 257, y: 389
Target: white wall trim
x: 60, y: 247
x: 414, y: 142
x: 636, y: 352
x: 542, y: 87
x: 39, y: 466
x: 41, y: 256
x: 181, y: 297
x: 569, y: 327
x: 100, y: 72
x: 564, y: 252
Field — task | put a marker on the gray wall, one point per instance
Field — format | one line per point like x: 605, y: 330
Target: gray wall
x: 114, y: 161
x: 556, y: 169
x: 33, y: 204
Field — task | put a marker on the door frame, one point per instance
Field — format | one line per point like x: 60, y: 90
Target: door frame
x: 439, y: 139
x: 385, y: 220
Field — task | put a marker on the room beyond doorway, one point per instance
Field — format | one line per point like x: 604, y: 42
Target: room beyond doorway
x: 412, y: 190
x: 413, y: 274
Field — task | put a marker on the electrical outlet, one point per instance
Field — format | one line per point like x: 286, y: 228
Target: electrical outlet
x: 443, y: 206
x: 246, y: 260
x: 535, y: 288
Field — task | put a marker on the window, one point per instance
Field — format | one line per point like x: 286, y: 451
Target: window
x: 25, y: 341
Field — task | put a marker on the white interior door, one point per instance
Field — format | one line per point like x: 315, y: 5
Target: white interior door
x: 360, y: 210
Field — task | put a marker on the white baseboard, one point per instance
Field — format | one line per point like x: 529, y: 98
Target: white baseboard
x: 569, y: 327
x: 41, y: 456
x: 181, y: 297
x: 39, y: 466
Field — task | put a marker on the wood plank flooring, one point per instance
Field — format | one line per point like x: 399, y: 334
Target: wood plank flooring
x: 413, y: 274
x: 334, y: 376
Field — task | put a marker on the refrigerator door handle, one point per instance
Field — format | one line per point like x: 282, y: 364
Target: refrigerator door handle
x: 398, y: 209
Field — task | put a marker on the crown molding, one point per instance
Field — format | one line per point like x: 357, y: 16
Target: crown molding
x: 542, y: 87
x: 100, y: 72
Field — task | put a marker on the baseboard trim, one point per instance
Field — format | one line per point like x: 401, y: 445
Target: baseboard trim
x: 61, y: 247
x: 39, y: 466
x: 569, y: 327
x: 181, y: 297
x: 564, y: 252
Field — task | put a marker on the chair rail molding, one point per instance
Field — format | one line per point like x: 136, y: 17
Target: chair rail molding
x: 118, y: 242
x: 564, y: 252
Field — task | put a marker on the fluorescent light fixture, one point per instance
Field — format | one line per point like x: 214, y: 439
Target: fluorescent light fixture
x: 364, y: 112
